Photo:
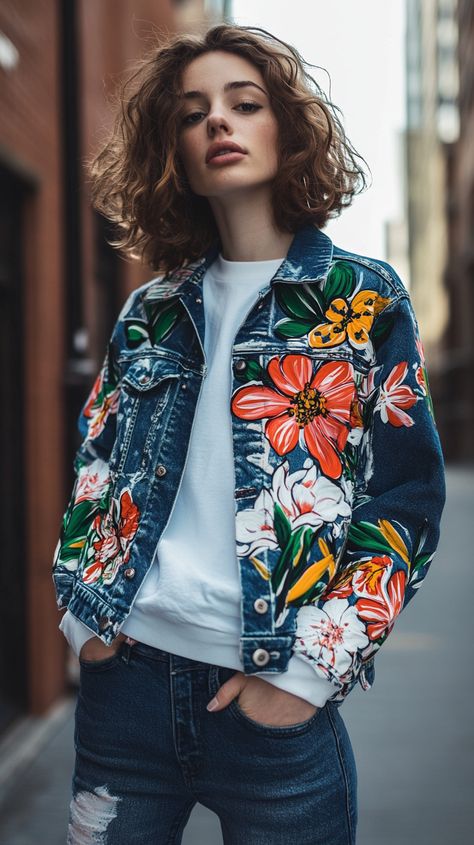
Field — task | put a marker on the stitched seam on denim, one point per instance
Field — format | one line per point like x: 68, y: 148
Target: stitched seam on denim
x: 346, y: 782
x: 371, y: 265
x: 176, y: 827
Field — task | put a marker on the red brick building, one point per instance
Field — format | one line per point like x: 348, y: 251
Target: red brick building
x: 61, y: 287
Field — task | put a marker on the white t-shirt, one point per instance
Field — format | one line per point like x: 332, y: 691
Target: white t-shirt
x: 189, y: 601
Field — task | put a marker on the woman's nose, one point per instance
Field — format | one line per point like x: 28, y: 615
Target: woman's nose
x: 217, y: 121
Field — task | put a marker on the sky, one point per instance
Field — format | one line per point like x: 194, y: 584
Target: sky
x: 361, y: 46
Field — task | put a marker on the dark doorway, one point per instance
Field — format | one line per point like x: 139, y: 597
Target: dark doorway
x: 13, y: 665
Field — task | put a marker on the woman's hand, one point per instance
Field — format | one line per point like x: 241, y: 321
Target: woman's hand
x: 95, y: 649
x: 263, y: 702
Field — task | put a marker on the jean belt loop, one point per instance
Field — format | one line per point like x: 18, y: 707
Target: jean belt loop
x: 128, y: 642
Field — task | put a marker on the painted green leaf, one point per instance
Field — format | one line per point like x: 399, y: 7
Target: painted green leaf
x: 311, y: 594
x: 287, y: 328
x: 420, y: 562
x: 364, y: 535
x: 291, y: 553
x: 136, y: 333
x: 281, y: 525
x: 164, y: 322
x: 302, y: 302
x: 253, y: 372
x: 80, y: 517
x: 340, y: 281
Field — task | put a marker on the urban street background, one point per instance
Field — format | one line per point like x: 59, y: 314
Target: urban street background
x: 402, y: 75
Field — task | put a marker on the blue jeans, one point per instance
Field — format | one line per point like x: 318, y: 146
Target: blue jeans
x: 147, y: 751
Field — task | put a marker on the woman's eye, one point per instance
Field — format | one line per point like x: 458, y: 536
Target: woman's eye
x: 188, y: 118
x: 252, y: 105
x: 196, y: 114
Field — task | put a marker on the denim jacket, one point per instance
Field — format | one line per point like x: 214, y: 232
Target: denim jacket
x: 339, y: 477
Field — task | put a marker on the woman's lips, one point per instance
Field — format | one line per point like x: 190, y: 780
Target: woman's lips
x: 226, y: 158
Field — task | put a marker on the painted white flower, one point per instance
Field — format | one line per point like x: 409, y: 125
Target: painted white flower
x: 332, y: 634
x: 92, y: 480
x: 306, y: 498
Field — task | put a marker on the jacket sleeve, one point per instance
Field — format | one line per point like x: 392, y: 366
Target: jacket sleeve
x: 399, y: 495
x: 97, y: 426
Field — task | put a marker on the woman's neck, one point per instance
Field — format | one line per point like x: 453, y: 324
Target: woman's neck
x: 248, y: 233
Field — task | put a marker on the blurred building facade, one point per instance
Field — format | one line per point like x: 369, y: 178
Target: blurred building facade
x: 440, y: 206
x: 61, y: 287
x: 457, y: 394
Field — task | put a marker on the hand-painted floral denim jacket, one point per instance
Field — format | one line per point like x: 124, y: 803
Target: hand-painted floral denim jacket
x: 339, y: 476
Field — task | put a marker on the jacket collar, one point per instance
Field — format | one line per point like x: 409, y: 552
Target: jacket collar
x: 308, y: 259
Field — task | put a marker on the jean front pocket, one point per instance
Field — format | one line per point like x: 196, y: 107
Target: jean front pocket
x: 220, y: 674
x: 103, y: 663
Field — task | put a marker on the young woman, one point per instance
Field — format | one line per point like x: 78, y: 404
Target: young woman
x: 260, y: 481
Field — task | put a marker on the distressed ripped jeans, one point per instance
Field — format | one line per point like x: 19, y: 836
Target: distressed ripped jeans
x: 147, y: 751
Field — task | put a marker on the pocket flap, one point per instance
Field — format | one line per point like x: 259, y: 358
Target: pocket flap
x: 145, y: 373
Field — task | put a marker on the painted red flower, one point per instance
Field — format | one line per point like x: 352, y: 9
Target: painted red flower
x: 396, y: 398
x: 114, y: 533
x: 317, y: 406
x: 381, y: 611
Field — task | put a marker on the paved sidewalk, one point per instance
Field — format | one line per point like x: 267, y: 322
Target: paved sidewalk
x: 412, y: 733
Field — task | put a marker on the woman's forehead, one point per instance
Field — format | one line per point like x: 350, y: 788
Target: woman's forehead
x: 219, y: 69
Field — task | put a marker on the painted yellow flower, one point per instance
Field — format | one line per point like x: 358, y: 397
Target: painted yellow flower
x: 350, y: 321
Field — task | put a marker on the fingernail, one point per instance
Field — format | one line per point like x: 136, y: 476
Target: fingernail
x: 213, y: 704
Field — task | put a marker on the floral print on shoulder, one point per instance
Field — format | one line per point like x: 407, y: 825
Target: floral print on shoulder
x: 341, y: 311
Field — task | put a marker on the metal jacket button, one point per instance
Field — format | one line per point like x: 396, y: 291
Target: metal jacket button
x: 129, y: 573
x: 240, y: 365
x: 160, y: 470
x: 260, y: 657
x: 198, y: 299
x: 260, y: 605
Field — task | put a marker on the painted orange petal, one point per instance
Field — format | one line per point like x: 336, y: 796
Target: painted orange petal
x: 336, y: 382
x: 290, y: 373
x: 402, y: 397
x: 327, y: 335
x: 396, y: 376
x: 334, y: 431
x: 339, y: 401
x: 322, y: 449
x: 255, y: 403
x: 396, y: 591
x: 366, y: 301
x: 337, y: 310
x: 358, y: 330
x: 397, y: 417
x: 309, y: 578
x: 92, y: 572
x: 282, y: 433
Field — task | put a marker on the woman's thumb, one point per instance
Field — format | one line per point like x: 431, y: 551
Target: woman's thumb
x: 228, y: 691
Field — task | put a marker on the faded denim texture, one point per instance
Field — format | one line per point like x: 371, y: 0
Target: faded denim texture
x: 264, y: 782
x: 339, y: 476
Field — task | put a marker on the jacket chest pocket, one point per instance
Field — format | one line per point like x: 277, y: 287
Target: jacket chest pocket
x: 148, y: 390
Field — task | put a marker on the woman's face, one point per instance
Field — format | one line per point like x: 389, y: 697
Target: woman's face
x: 219, y: 108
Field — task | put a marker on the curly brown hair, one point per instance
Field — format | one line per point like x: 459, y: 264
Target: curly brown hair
x: 137, y: 179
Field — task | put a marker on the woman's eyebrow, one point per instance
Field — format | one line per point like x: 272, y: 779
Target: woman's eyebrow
x: 243, y: 83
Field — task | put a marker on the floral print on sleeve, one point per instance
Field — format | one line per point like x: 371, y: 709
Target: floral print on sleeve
x: 392, y: 540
